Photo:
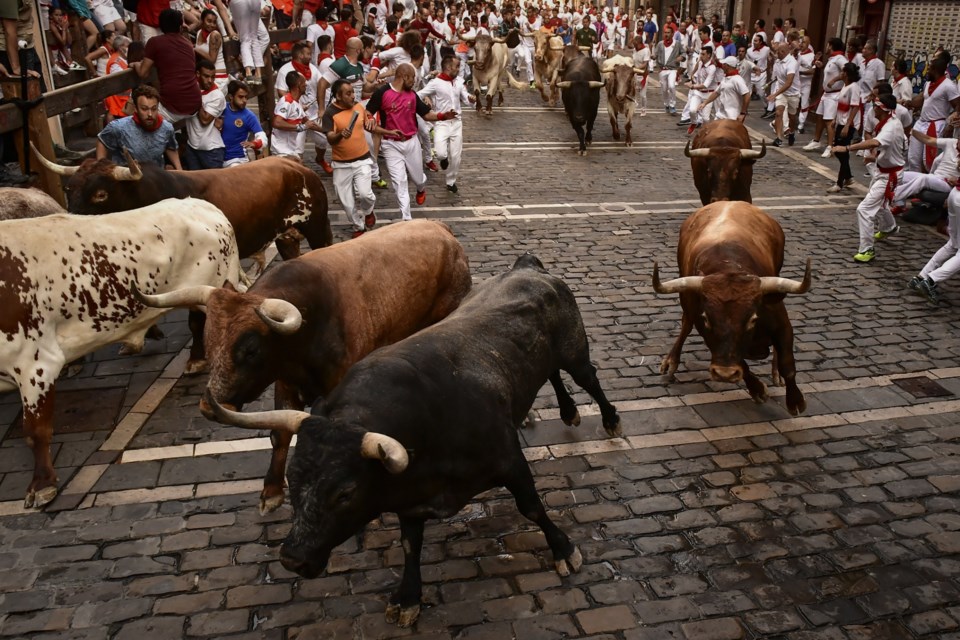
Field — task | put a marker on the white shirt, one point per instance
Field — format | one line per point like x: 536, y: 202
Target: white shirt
x: 871, y: 72
x: 760, y: 59
x: 849, y: 96
x: 709, y: 75
x: 730, y: 97
x: 892, y: 151
x: 805, y: 61
x: 746, y: 68
x: 392, y: 58
x: 642, y: 57
x: 904, y: 115
x: 527, y: 30
x: 832, y: 69
x: 778, y: 36
x: 937, y: 106
x: 945, y: 164
x: 783, y: 68
x: 288, y: 143
x: 902, y: 88
x: 314, y: 31
x: 445, y: 95
x: 205, y: 138
x: 309, y: 98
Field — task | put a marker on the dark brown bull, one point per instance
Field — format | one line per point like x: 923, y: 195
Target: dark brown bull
x: 262, y: 199
x: 730, y: 255
x: 306, y: 321
x: 722, y: 161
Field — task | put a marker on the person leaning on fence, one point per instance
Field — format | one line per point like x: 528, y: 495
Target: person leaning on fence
x: 204, y: 144
x: 241, y: 133
x: 175, y: 61
x: 146, y: 134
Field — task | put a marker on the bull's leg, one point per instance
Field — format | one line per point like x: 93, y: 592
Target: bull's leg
x: 583, y: 145
x: 271, y: 497
x: 566, y: 556
x: 669, y: 365
x: 783, y: 350
x: 317, y: 229
x: 198, y: 354
x: 499, y: 96
x: 585, y: 374
x: 489, y: 110
x: 590, y: 130
x: 614, y: 126
x: 568, y: 408
x: 288, y: 246
x: 404, y: 607
x: 628, y: 128
x: 38, y: 428
x: 477, y: 95
x: 775, y: 378
x: 758, y: 390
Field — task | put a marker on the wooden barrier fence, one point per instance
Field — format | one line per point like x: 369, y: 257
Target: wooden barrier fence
x: 84, y: 95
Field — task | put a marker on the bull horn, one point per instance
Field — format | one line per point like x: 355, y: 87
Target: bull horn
x: 280, y: 420
x: 390, y: 452
x: 280, y: 316
x: 750, y: 154
x: 695, y: 153
x: 135, y: 171
x: 471, y: 62
x: 187, y: 297
x: 786, y: 285
x: 637, y: 70
x: 58, y: 169
x: 564, y: 84
x: 594, y: 84
x: 677, y: 285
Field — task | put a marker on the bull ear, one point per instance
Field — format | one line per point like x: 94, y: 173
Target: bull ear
x: 228, y: 286
x: 387, y: 450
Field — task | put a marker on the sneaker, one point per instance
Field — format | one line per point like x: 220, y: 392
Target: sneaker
x: 883, y: 235
x: 929, y: 289
x: 777, y: 142
x: 813, y: 145
x: 802, y: 129
x: 848, y: 183
x: 865, y: 256
x: 452, y: 188
x: 897, y: 210
x: 791, y: 138
x: 76, y: 67
x: 326, y: 166
x: 643, y: 113
x: 379, y: 184
x: 444, y: 163
x: 356, y: 234
x: 914, y: 284
x: 421, y: 196
x: 692, y: 128
x: 682, y: 122
x: 432, y: 165
x: 827, y: 153
x: 60, y: 71
x: 835, y: 189
x: 369, y: 221
x: 533, y: 85
x: 768, y: 115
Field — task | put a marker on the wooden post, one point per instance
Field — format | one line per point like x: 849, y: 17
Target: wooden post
x: 39, y: 133
x: 267, y: 100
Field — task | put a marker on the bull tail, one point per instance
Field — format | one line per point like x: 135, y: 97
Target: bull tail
x: 516, y: 84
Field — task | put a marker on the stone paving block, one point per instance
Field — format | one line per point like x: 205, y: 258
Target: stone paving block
x: 154, y: 627
x: 714, y: 629
x: 669, y: 610
x: 606, y: 619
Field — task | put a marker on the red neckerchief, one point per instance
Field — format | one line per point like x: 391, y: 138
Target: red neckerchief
x: 762, y: 45
x: 838, y: 53
x: 880, y: 124
x: 933, y: 84
x: 210, y: 90
x: 204, y: 34
x: 667, y: 41
x: 850, y: 57
x: 807, y: 50
x: 444, y: 76
x: 302, y: 69
x: 531, y: 22
x: 322, y: 24
x: 704, y: 41
x: 867, y: 59
x: 642, y: 46
x: 731, y: 72
x: 324, y: 56
x: 136, y: 121
x: 289, y: 97
x: 897, y: 77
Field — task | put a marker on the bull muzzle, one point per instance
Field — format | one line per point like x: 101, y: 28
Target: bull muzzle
x: 732, y: 374
x: 295, y: 559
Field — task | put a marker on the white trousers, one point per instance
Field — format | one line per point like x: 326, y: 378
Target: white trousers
x: 873, y: 214
x: 668, y: 87
x: 351, y: 180
x: 246, y: 18
x: 805, y: 90
x: 375, y: 169
x: 642, y: 92
x: 694, y: 100
x: 423, y: 133
x: 759, y: 84
x: 945, y: 263
x: 402, y: 158
x: 448, y: 143
x: 916, y: 152
x: 914, y: 182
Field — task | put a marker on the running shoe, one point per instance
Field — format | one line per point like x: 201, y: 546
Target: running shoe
x: 421, y: 196
x: 326, y: 166
x: 682, y: 122
x: 370, y: 220
x: 866, y: 255
x: 452, y: 188
x: 827, y: 153
x: 835, y: 189
x: 379, y: 184
x: 777, y: 142
x: 813, y: 145
x: 444, y: 163
x: 432, y: 166
x: 929, y: 289
x: 914, y: 284
x: 883, y: 235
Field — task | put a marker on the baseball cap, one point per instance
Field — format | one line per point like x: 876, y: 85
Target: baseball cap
x: 730, y: 61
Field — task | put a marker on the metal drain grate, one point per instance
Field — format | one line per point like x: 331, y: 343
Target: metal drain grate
x: 922, y: 387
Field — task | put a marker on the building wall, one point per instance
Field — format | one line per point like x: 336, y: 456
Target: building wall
x: 917, y: 28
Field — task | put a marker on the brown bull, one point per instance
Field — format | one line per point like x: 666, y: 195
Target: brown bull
x: 730, y: 255
x: 306, y: 321
x: 489, y: 65
x: 618, y: 74
x: 722, y: 161
x: 547, y: 55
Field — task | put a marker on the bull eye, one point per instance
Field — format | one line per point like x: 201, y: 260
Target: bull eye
x: 343, y: 496
x: 100, y: 196
x: 752, y: 322
x: 705, y: 319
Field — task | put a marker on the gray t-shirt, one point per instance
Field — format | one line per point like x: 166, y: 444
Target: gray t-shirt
x: 144, y: 146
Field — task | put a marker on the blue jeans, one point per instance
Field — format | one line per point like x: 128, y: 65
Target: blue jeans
x: 195, y: 159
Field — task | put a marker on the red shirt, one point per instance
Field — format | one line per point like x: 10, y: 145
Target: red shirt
x: 342, y: 31
x: 425, y: 29
x: 148, y: 11
x: 175, y: 62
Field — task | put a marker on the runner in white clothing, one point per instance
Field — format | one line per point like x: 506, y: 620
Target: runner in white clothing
x: 733, y: 94
x: 445, y: 94
x: 300, y: 62
x: 827, y: 106
x: 945, y: 263
x: 705, y: 80
x: 641, y: 61
x: 939, y: 97
x: 943, y: 174
x: 759, y: 55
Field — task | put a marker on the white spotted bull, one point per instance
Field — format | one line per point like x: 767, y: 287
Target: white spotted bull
x: 67, y: 288
x: 618, y: 75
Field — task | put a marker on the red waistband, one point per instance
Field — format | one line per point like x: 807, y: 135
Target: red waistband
x: 398, y: 139
x: 889, y: 170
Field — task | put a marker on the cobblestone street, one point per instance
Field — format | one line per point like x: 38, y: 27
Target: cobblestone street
x: 712, y: 518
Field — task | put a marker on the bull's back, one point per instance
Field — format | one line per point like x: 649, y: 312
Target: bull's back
x: 722, y: 225
x: 18, y: 204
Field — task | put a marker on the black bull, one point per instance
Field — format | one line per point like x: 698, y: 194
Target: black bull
x: 580, y: 91
x: 441, y: 427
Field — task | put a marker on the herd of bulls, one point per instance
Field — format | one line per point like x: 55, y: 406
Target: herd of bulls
x: 417, y: 379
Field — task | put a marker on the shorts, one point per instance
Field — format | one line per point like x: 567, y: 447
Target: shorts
x: 174, y: 117
x: 827, y: 109
x: 791, y: 103
x: 106, y: 13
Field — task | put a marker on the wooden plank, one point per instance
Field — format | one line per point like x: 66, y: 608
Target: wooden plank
x: 39, y: 134
x: 286, y: 35
x: 83, y: 93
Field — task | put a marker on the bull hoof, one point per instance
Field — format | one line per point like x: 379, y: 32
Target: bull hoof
x: 796, y: 406
x: 196, y: 367
x: 760, y: 394
x: 529, y: 421
x: 775, y: 379
x: 629, y: 143
x: 571, y: 420
x: 403, y: 617
x: 613, y: 430
x: 616, y: 135
x: 269, y: 504
x: 129, y: 349
x: 668, y: 368
x: 488, y: 112
x: 38, y: 499
x: 570, y: 565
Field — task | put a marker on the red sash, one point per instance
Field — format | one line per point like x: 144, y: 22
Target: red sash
x: 891, y: 181
x: 930, y: 153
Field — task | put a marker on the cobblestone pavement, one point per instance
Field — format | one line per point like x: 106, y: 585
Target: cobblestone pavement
x: 711, y: 518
